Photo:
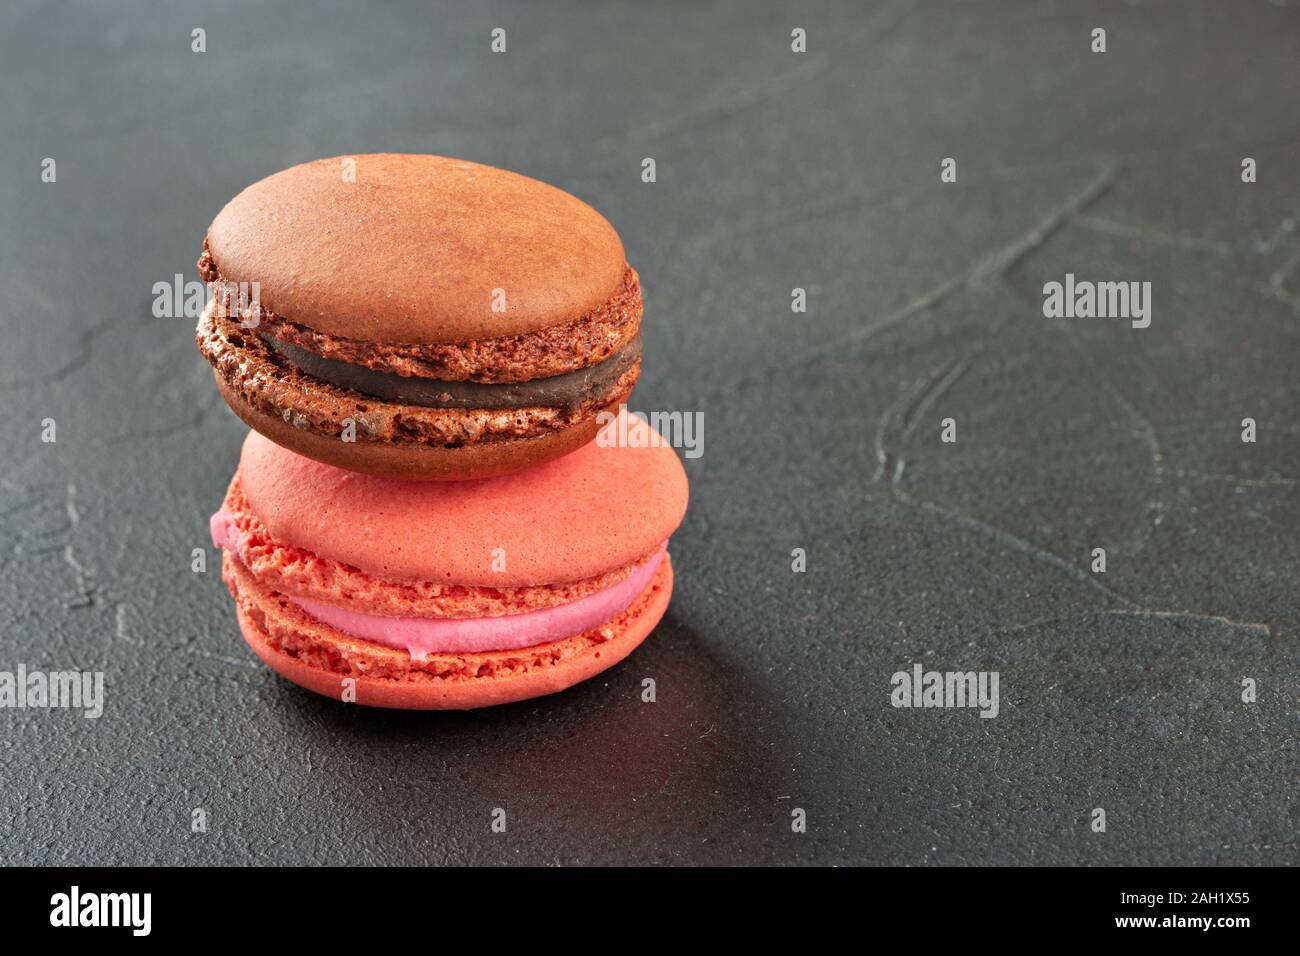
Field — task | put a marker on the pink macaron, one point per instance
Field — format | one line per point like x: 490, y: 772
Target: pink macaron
x: 451, y: 595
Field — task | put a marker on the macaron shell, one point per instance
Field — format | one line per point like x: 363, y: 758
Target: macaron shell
x: 562, y: 664
x: 600, y: 508
x: 298, y: 573
x: 412, y: 461
x: 412, y: 248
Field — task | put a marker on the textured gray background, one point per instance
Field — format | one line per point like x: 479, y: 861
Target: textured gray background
x: 776, y: 170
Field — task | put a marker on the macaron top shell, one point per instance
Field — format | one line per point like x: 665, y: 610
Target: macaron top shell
x: 410, y: 249
x: 596, y: 510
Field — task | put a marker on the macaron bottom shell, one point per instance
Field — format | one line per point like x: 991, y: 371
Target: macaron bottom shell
x: 320, y: 658
x: 411, y: 460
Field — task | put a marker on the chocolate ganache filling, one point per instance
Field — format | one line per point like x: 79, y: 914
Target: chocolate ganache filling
x: 564, y: 391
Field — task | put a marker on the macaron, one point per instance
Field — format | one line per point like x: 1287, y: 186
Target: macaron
x: 451, y: 595
x: 418, y: 317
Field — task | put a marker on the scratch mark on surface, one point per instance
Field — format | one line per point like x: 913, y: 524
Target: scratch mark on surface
x: 940, y: 387
x: 989, y: 267
x: 981, y: 271
x: 1006, y: 257
x: 85, y: 596
x: 228, y: 661
x: 1193, y: 616
x: 1277, y: 282
x: 928, y: 391
x: 190, y: 422
x: 922, y: 394
x: 917, y: 400
x: 1277, y: 481
x: 1042, y: 622
x: 728, y: 103
x: 822, y: 207
x: 1124, y: 230
x: 1145, y: 429
x: 1138, y: 612
x: 883, y: 455
x: 84, y: 353
x: 1005, y: 538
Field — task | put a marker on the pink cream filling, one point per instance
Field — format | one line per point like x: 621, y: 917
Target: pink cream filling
x: 424, y: 636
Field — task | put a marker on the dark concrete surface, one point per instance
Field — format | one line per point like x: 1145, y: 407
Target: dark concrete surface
x: 776, y: 170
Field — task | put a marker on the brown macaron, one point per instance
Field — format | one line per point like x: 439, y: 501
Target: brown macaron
x: 416, y: 316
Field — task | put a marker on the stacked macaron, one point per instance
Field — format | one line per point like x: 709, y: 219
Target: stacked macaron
x: 417, y: 316
x: 439, y: 339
